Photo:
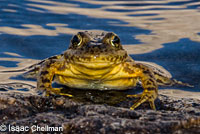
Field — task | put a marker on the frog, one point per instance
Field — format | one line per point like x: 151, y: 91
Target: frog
x: 98, y: 61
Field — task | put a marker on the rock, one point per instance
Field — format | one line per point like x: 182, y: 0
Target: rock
x: 89, y: 115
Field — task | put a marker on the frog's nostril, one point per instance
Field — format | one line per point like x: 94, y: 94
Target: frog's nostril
x: 95, y: 44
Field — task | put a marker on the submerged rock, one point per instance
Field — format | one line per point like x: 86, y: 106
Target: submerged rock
x: 89, y: 115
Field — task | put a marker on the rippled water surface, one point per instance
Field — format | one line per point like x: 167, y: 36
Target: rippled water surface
x: 166, y: 32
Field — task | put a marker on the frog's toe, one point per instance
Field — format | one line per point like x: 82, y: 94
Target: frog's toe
x: 134, y: 96
x: 147, y: 96
x: 57, y: 91
x: 64, y: 94
x: 152, y: 104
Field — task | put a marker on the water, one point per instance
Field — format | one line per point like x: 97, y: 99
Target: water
x: 166, y: 32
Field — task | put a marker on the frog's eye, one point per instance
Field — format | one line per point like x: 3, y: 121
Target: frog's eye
x: 115, y: 42
x: 76, y: 41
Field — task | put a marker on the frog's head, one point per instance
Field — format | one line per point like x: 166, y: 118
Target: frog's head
x: 95, y: 49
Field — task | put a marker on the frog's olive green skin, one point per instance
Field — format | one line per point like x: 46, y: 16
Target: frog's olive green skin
x: 97, y: 60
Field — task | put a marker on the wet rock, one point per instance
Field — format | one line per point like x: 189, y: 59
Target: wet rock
x: 173, y: 115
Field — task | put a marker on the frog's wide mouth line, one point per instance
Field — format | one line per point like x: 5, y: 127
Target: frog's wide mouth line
x: 95, y: 65
x: 96, y: 60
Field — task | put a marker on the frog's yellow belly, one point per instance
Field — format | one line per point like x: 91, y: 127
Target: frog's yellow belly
x: 116, y: 84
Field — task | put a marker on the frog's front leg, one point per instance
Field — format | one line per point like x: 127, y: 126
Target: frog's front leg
x: 45, y: 77
x: 149, y: 84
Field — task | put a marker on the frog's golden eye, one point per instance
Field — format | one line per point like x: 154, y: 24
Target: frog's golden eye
x: 115, y: 41
x: 76, y: 41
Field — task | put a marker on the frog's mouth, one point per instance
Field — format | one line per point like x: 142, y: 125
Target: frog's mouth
x: 101, y: 60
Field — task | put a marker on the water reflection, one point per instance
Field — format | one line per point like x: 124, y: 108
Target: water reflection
x: 165, y: 32
x: 12, y: 66
x: 180, y: 58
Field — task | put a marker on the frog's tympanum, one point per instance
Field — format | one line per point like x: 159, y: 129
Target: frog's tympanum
x: 97, y: 61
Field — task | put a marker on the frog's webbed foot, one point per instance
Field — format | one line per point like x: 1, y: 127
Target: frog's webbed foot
x: 146, y: 96
x: 149, y: 85
x: 56, y: 91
